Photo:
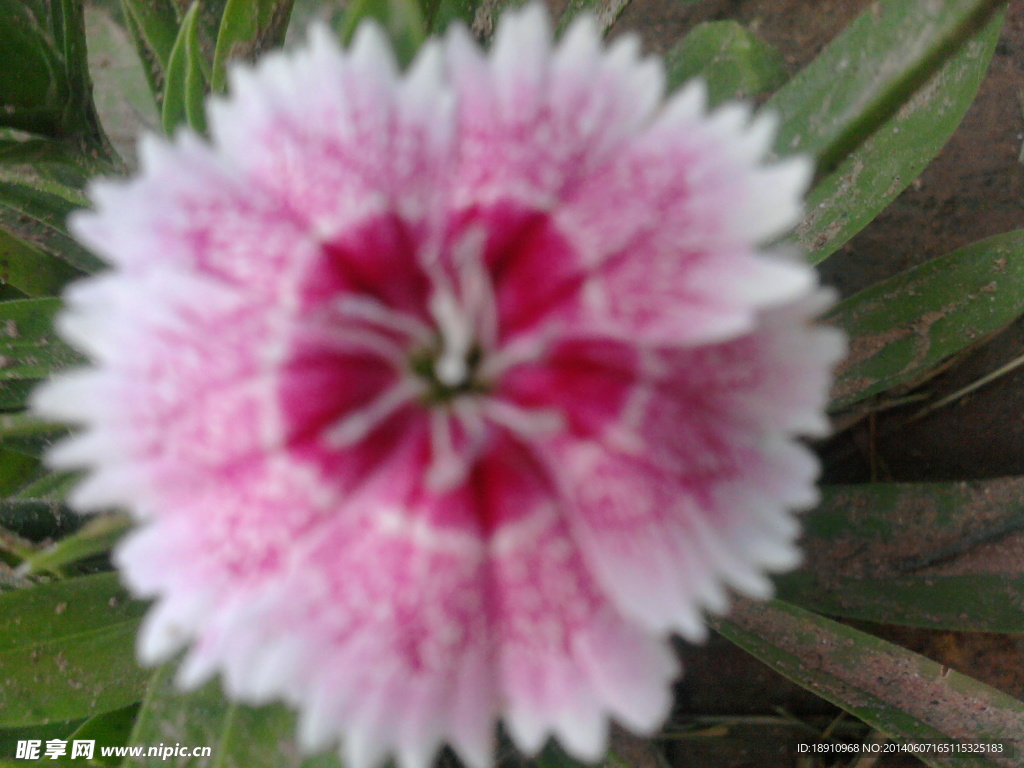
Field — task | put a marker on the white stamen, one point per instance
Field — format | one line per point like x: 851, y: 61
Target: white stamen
x: 475, y: 284
x: 452, y: 367
x: 345, y: 339
x: 448, y: 468
x: 359, y: 424
x: 469, y: 413
x: 372, y: 311
x: 526, y: 422
x: 526, y: 349
x: 451, y: 464
x: 464, y: 313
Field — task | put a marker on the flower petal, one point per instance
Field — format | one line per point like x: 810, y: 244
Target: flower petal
x: 563, y: 646
x: 190, y: 209
x: 669, y: 229
x: 352, y: 141
x: 533, y: 122
x: 394, y: 614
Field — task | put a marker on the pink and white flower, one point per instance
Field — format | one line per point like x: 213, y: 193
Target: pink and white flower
x: 446, y: 397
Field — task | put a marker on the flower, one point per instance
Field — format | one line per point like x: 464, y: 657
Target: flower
x: 446, y: 398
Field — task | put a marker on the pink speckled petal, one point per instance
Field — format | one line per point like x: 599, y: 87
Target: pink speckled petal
x: 532, y: 123
x: 190, y: 209
x: 555, y: 631
x: 354, y: 141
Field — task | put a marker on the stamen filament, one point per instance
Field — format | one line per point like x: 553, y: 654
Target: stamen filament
x: 450, y: 463
x: 362, y: 422
x: 452, y: 367
x: 345, y: 339
x: 526, y: 422
x: 377, y: 313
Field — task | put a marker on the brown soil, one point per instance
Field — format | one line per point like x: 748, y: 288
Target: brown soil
x: 974, y: 189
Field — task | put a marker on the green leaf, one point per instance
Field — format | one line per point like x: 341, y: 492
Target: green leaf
x: 241, y: 737
x: 211, y: 17
x: 734, y: 62
x: 185, y: 87
x: 553, y: 756
x: 29, y: 348
x: 15, y: 470
x: 877, y: 171
x: 440, y: 14
x: 29, y: 352
x: 37, y: 519
x: 68, y: 26
x: 402, y: 21
x: 25, y: 434
x: 38, y: 254
x: 67, y: 650
x: 29, y: 269
x: 97, y: 536
x: 26, y: 157
x: 48, y: 486
x: 869, y: 71
x: 9, y: 738
x: 936, y: 555
x: 900, y: 693
x: 904, y: 326
x: 44, y: 75
x: 606, y: 11
x: 121, y: 92
x: 111, y: 729
x: 153, y: 25
x: 33, y: 83
x: 247, y: 29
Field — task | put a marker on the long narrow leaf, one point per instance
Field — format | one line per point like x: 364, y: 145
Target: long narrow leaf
x: 606, y: 11
x: 248, y: 28
x: 402, y: 20
x: 44, y: 74
x: 906, y: 325
x: 33, y: 81
x: 48, y: 486
x: 30, y: 269
x: 154, y: 27
x: 97, y: 536
x: 902, y: 694
x: 22, y: 433
x: 864, y: 76
x: 122, y: 95
x: 185, y: 87
x: 34, y: 209
x: 38, y: 519
x: 935, y: 555
x: 30, y: 158
x: 29, y: 347
x: 883, y: 166
x: 734, y: 63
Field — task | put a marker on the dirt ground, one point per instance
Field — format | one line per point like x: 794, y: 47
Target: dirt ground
x: 739, y: 713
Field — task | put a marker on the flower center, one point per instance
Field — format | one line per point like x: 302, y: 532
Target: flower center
x: 463, y: 307
x: 446, y: 378
x: 438, y: 364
